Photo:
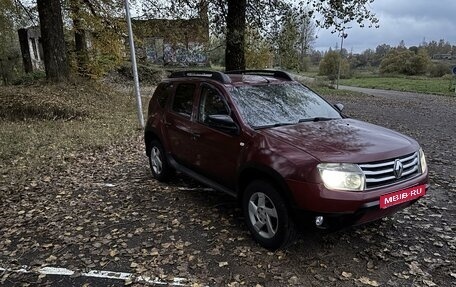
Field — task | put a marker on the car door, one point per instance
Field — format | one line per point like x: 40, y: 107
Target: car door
x: 216, y: 149
x: 178, y: 125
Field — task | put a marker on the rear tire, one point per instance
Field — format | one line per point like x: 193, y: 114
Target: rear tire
x: 159, y: 165
x: 267, y: 216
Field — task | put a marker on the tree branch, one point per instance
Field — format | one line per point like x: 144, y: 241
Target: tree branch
x: 26, y: 11
x: 91, y: 8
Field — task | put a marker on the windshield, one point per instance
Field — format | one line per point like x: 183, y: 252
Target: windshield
x: 281, y: 104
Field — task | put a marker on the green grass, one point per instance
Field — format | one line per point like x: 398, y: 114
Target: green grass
x: 47, y: 125
x: 326, y: 91
x: 440, y: 86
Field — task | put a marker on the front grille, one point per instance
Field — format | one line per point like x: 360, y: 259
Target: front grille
x: 381, y: 173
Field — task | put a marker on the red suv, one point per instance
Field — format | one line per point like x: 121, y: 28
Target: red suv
x: 282, y: 150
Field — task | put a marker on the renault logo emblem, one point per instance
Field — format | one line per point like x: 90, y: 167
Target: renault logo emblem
x: 398, y: 169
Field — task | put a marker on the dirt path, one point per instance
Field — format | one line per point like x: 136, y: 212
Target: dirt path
x: 386, y: 93
x: 107, y: 213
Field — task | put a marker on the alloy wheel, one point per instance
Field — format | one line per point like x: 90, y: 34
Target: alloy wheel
x: 263, y: 215
x: 155, y: 159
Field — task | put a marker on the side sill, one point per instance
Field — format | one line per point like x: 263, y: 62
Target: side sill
x: 200, y: 177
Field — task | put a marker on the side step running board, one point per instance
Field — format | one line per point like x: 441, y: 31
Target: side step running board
x: 200, y: 177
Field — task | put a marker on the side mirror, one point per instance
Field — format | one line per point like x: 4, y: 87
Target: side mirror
x: 339, y: 107
x: 222, y: 122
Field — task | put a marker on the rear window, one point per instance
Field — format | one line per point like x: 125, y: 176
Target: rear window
x: 183, y: 99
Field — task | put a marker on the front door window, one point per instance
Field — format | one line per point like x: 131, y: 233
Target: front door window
x: 211, y: 103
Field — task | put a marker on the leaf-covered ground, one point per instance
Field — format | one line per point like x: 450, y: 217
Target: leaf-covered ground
x: 102, y: 210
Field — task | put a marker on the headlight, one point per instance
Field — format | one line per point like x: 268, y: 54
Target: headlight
x: 342, y: 176
x: 423, y: 164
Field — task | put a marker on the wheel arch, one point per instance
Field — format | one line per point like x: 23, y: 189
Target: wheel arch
x: 250, y: 173
x: 149, y: 136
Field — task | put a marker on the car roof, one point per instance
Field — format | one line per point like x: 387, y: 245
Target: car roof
x: 253, y: 79
x: 236, y: 78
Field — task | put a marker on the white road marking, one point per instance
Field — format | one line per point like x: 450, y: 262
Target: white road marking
x: 124, y: 276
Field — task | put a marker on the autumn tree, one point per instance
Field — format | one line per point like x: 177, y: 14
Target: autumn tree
x: 98, y: 22
x: 235, y: 33
x: 9, y: 52
x: 217, y: 50
x: 288, y: 43
x: 404, y: 61
x: 258, y: 51
x: 53, y: 41
x: 232, y: 17
x: 294, y: 40
x: 441, y: 47
x: 80, y: 39
x: 329, y: 65
x: 306, y: 40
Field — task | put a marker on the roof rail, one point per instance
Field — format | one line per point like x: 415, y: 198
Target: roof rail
x: 274, y: 73
x: 217, y: 76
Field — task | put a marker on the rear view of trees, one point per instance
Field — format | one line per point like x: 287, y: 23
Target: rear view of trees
x: 232, y: 18
x: 433, y: 59
x: 67, y: 29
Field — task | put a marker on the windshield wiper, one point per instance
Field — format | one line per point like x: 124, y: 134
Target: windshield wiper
x: 316, y: 119
x: 272, y: 125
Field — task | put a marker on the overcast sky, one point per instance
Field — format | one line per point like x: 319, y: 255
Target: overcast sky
x: 408, y: 20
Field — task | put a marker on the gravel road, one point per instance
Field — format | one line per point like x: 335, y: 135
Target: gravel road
x: 107, y: 213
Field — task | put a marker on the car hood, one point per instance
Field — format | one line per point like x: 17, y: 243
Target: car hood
x: 344, y: 140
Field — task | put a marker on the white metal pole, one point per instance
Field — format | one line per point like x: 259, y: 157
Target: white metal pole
x: 134, y: 66
x: 340, y: 60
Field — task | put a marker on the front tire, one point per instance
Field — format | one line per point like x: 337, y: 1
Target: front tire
x: 159, y: 165
x: 266, y: 215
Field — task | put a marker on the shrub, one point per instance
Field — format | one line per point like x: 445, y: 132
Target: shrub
x: 329, y: 66
x: 439, y: 69
x: 405, y: 62
x: 30, y: 78
x: 146, y: 74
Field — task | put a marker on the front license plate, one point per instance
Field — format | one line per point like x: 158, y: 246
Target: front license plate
x: 402, y: 196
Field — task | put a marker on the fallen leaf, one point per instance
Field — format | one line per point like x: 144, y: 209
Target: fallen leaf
x: 368, y: 281
x: 346, y: 274
x: 429, y: 283
x: 51, y: 258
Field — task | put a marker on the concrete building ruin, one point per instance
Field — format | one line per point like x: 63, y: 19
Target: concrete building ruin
x: 31, y: 49
x: 177, y: 42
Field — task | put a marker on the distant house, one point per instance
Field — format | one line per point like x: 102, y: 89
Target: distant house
x: 173, y: 42
x: 442, y: 57
x: 31, y: 49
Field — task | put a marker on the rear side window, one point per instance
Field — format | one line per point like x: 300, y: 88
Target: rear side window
x: 163, y: 92
x: 183, y: 99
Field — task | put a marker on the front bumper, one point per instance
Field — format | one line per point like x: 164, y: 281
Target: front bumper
x: 345, y: 208
x: 335, y: 221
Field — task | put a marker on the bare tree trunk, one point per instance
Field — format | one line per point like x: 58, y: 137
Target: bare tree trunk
x: 53, y: 41
x: 236, y: 26
x: 80, y: 41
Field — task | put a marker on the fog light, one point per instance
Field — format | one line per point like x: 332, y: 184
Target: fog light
x: 319, y: 221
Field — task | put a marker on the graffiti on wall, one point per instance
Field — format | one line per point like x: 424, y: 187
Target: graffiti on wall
x: 154, y: 50
x: 178, y: 54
